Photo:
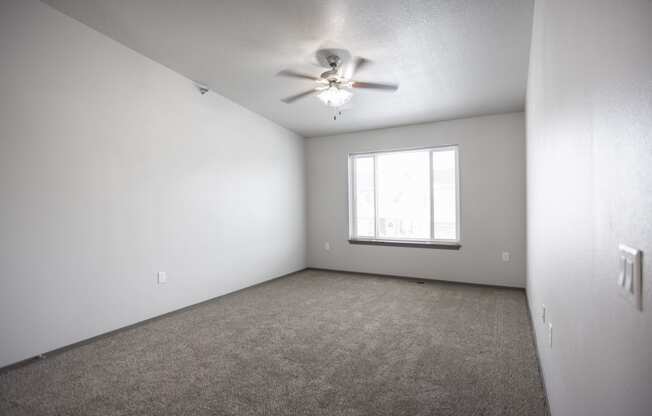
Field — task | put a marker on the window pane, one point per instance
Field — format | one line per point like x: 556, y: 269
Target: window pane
x: 364, y: 196
x: 403, y: 195
x: 444, y: 189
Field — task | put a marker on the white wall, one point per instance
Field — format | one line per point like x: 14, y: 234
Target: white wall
x: 492, y: 162
x: 589, y: 158
x: 113, y: 167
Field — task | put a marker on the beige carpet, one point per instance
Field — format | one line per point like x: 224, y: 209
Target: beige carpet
x: 312, y: 343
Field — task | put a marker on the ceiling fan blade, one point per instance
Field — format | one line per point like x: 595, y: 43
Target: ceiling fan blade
x: 293, y: 98
x: 375, y: 86
x: 357, y: 64
x: 292, y: 74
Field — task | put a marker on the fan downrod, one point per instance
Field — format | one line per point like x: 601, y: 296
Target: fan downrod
x: 333, y: 61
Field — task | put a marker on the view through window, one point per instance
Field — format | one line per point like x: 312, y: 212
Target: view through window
x: 409, y: 195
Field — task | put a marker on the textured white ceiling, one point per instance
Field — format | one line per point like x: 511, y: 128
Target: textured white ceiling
x: 452, y: 58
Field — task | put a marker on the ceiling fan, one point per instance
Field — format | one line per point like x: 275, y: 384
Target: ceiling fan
x: 335, y: 87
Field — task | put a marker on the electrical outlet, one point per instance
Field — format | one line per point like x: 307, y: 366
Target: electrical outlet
x: 327, y: 246
x: 162, y: 277
x: 543, y: 313
x: 506, y: 256
x: 550, y: 334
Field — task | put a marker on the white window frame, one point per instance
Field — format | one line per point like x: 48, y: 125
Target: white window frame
x: 404, y: 241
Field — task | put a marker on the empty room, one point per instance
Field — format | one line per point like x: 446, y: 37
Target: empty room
x: 326, y: 207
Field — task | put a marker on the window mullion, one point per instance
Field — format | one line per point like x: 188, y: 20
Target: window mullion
x: 432, y: 195
x: 353, y: 198
x: 375, y: 196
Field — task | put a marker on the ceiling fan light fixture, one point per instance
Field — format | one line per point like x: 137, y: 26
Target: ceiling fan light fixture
x: 335, y: 96
x: 335, y: 87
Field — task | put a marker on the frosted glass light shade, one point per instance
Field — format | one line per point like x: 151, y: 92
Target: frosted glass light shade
x: 334, y: 96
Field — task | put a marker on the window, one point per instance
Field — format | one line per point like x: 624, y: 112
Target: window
x: 405, y: 196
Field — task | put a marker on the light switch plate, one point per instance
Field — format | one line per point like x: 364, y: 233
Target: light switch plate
x: 162, y: 277
x: 629, y: 279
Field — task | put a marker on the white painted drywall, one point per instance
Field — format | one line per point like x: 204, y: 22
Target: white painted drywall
x: 589, y: 178
x: 113, y: 167
x: 492, y: 162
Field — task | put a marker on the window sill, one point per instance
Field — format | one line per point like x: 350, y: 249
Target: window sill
x: 399, y: 243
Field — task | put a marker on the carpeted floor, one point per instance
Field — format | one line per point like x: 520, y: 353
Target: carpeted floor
x: 312, y: 343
